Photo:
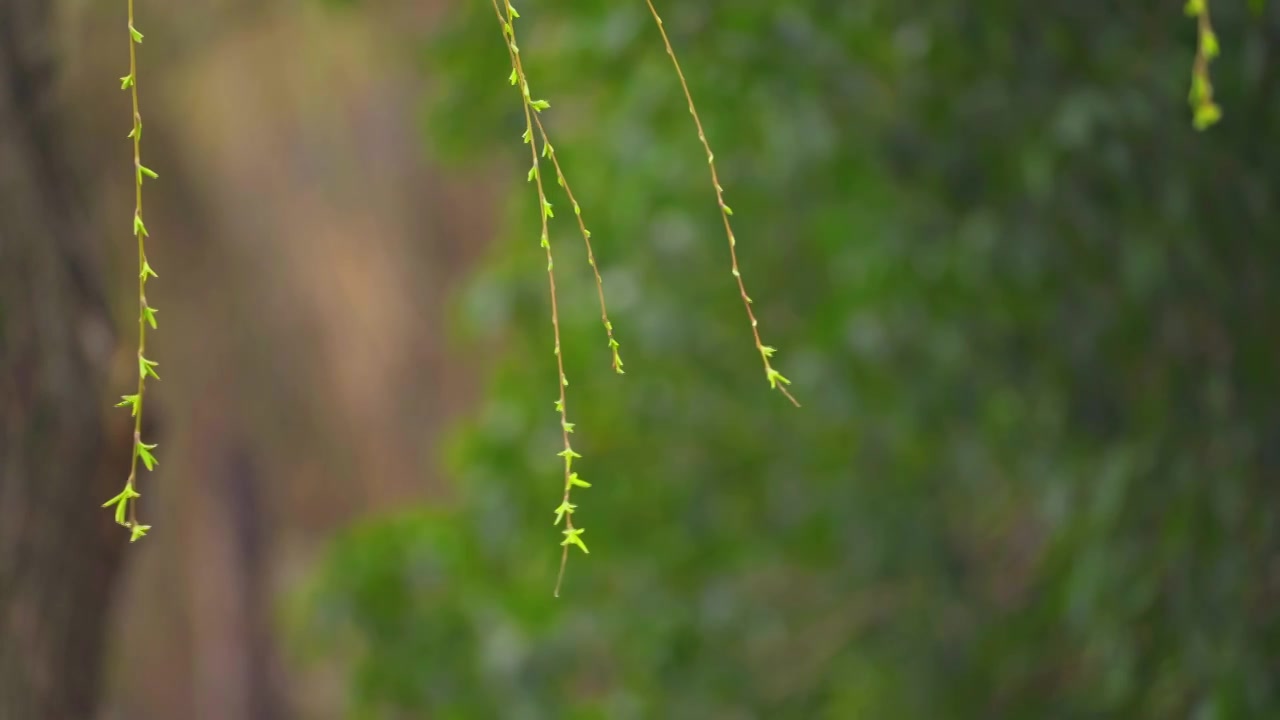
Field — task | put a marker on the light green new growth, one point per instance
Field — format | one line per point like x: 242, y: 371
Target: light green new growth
x: 775, y: 378
x: 532, y: 107
x: 1205, y: 112
x: 126, y: 507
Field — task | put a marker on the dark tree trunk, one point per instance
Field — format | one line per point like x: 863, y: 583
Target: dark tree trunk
x: 61, y: 453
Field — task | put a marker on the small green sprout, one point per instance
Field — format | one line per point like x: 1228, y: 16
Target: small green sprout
x: 121, y: 503
x: 573, y: 536
x: 565, y: 508
x: 144, y: 454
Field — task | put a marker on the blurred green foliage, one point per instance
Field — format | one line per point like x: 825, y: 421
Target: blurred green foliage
x: 1031, y: 314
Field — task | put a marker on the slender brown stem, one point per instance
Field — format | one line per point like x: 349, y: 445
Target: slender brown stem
x: 586, y: 236
x: 775, y: 380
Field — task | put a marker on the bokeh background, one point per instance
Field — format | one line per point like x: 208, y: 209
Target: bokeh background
x: 1030, y: 312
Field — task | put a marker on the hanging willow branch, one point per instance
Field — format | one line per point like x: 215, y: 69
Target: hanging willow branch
x: 775, y: 378
x: 125, y: 503
x: 1205, y: 112
x: 565, y: 510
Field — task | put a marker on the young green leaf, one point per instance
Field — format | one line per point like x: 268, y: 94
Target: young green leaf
x: 121, y: 502
x: 147, y: 367
x: 566, y: 508
x: 131, y: 401
x: 1207, y: 115
x: 144, y: 454
x: 124, y: 496
x: 574, y: 537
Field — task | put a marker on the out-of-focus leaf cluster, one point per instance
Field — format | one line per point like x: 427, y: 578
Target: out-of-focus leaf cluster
x: 1030, y: 311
